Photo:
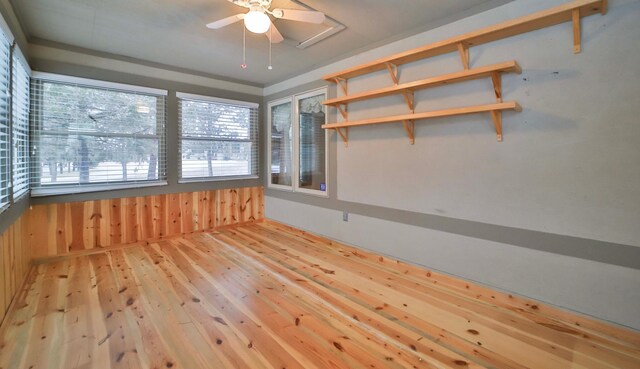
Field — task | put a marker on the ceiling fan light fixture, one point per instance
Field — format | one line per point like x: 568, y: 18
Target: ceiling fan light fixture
x: 257, y: 21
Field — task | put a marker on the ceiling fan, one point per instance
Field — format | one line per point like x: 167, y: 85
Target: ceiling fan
x: 257, y: 19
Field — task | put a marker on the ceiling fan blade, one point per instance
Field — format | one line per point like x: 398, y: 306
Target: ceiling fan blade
x: 242, y: 3
x: 274, y: 35
x: 299, y: 15
x: 226, y: 21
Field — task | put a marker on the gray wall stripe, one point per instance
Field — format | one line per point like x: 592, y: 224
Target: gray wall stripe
x: 583, y: 248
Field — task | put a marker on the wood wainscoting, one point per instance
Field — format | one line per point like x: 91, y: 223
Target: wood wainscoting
x: 15, y: 261
x: 63, y: 228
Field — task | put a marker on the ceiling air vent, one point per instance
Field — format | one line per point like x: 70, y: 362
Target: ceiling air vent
x: 333, y: 27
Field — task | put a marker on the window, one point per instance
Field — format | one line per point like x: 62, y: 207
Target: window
x: 92, y: 135
x: 312, y: 142
x: 5, y: 133
x: 218, y: 138
x: 20, y: 127
x: 281, y: 143
x: 298, y: 144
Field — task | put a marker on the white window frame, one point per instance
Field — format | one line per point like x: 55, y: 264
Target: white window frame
x: 6, y: 170
x: 212, y: 99
x: 15, y: 57
x: 18, y: 57
x: 52, y: 77
x: 270, y: 105
x: 295, y: 121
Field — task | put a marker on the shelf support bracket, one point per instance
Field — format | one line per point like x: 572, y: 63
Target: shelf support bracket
x: 496, y: 116
x: 409, y: 126
x: 342, y: 82
x: 344, y: 110
x: 409, y: 98
x: 463, y: 50
x: 344, y: 135
x: 496, y: 78
x: 393, y: 72
x: 575, y: 16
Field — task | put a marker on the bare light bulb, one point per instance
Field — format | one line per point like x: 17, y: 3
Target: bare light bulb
x: 243, y: 66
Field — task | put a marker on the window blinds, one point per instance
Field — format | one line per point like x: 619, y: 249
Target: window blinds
x: 87, y: 137
x: 20, y: 127
x: 218, y: 138
x: 5, y: 134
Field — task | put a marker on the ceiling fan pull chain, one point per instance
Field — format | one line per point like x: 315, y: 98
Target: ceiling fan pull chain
x: 244, y: 48
x: 270, y: 67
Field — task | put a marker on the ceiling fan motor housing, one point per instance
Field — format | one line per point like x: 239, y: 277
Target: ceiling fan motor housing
x: 265, y: 4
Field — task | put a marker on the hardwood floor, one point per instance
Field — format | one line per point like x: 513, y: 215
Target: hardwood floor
x: 265, y: 295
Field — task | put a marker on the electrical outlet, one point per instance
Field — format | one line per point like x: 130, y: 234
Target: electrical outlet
x: 345, y: 216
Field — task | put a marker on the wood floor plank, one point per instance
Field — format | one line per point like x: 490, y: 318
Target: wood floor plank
x: 236, y: 313
x: 114, y: 343
x: 268, y: 296
x: 151, y: 349
x: 170, y: 321
x: 43, y: 347
x: 202, y: 312
x: 79, y: 319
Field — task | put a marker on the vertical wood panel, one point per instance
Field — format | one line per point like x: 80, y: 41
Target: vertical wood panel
x: 146, y: 218
x: 15, y: 260
x: 77, y: 226
x: 76, y: 210
x: 219, y: 205
x: 174, y: 214
x: 186, y: 210
x: 3, y: 295
x: 208, y: 210
x: 128, y: 226
x: 88, y: 238
x: 161, y: 206
x: 114, y: 229
x: 59, y: 221
x: 97, y: 230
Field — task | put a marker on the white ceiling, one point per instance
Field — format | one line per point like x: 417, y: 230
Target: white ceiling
x: 173, y: 32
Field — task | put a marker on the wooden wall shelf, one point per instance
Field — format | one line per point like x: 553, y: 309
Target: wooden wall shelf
x: 408, y: 119
x: 465, y: 75
x: 571, y: 11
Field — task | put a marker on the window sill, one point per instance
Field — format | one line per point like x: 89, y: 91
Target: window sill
x: 215, y: 179
x: 315, y: 193
x: 320, y: 194
x: 70, y: 190
x: 21, y: 196
x: 280, y: 187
